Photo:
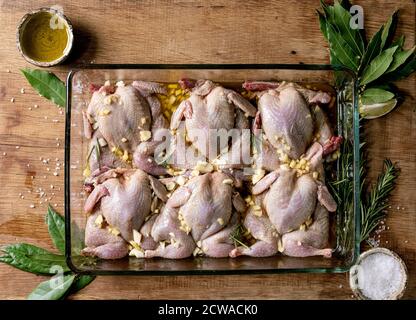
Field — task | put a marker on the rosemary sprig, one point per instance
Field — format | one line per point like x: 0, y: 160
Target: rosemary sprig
x: 373, y: 203
x: 374, y: 206
x: 237, y: 236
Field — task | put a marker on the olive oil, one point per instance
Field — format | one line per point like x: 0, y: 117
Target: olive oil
x: 44, y: 38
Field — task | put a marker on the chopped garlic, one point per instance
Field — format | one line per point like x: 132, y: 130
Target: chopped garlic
x: 280, y: 247
x: 228, y: 181
x: 107, y: 83
x: 181, y: 180
x: 124, y: 140
x: 120, y: 84
x: 145, y: 135
x: 285, y: 158
x: 258, y: 212
x: 195, y: 173
x: 143, y: 120
x: 104, y: 112
x: 170, y: 185
x: 113, y: 230
x: 111, y: 99
x: 102, y: 142
x: 136, y: 253
x: 315, y: 175
x: 125, y: 156
x: 220, y: 221
x: 87, y: 172
x: 258, y: 175
x: 99, y: 221
x: 204, y: 167
x: 137, y: 236
x: 197, y: 252
x: 309, y: 222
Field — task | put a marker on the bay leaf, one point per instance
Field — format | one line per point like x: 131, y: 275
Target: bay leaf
x: 32, y: 259
x: 399, y: 41
x: 322, y: 25
x: 47, y: 85
x: 52, y: 289
x: 377, y: 110
x: 373, y: 49
x: 341, y: 50
x: 56, y: 228
x: 80, y: 282
x: 375, y: 95
x: 378, y: 66
x: 399, y: 58
x: 389, y: 30
x: 342, y: 19
x: 402, y: 72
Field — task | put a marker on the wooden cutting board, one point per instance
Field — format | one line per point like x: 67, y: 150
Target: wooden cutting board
x: 184, y: 31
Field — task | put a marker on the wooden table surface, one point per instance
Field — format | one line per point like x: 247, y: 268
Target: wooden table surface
x: 184, y: 31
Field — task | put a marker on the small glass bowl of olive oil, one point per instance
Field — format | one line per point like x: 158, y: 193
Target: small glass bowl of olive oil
x: 45, y: 37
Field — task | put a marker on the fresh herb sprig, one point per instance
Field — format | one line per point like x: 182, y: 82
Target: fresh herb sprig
x: 237, y: 236
x: 36, y: 260
x: 375, y: 203
x: 376, y: 63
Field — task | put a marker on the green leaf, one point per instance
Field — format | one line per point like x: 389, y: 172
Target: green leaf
x: 52, y: 289
x: 375, y: 95
x: 32, y: 259
x: 341, y: 50
x: 373, y: 49
x: 377, y: 110
x: 352, y: 36
x: 328, y: 11
x: 47, y: 85
x: 389, y: 30
x: 56, y: 228
x: 81, y: 281
x: 322, y: 25
x: 345, y: 4
x: 399, y: 58
x: 402, y: 72
x: 399, y: 42
x: 378, y: 66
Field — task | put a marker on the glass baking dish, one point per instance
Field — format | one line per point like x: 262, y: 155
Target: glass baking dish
x: 344, y: 234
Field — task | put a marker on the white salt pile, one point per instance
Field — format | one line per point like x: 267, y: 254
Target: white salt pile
x: 380, y: 275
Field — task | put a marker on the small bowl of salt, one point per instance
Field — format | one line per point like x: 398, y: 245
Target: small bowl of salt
x: 379, y: 274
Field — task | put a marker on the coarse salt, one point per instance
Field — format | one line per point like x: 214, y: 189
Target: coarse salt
x: 380, y: 276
